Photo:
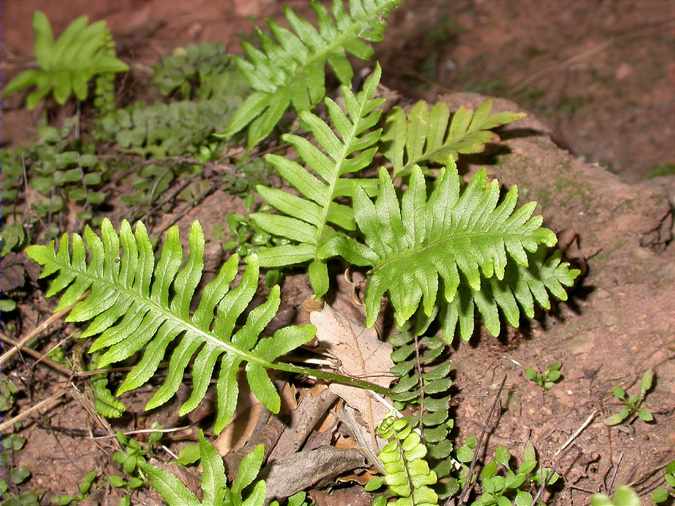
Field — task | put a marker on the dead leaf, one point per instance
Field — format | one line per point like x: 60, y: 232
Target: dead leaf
x: 12, y: 272
x: 361, y: 354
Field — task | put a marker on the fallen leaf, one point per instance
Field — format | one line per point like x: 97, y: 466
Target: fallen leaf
x: 359, y: 353
x: 12, y: 272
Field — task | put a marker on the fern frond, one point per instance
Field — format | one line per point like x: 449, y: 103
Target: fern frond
x: 289, y: 68
x: 67, y: 64
x: 455, y: 234
x: 213, y: 482
x: 314, y: 218
x: 135, y: 303
x: 520, y: 287
x: 424, y: 135
x: 423, y: 369
x: 407, y: 473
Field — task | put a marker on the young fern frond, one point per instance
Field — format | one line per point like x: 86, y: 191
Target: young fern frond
x: 407, y: 473
x: 289, y: 68
x: 213, y: 482
x: 422, y: 135
x: 314, y: 218
x: 67, y: 64
x: 459, y: 235
x: 134, y: 303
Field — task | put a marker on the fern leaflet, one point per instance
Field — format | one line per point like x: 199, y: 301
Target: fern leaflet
x: 289, y: 68
x: 426, y: 135
x: 66, y: 65
x: 310, y: 221
x: 453, y: 233
x: 134, y: 303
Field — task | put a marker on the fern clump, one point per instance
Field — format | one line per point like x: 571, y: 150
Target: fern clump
x: 458, y: 235
x: 67, y: 64
x: 315, y: 219
x: 58, y: 170
x: 426, y: 135
x: 289, y: 67
x: 134, y: 303
x: 195, y: 72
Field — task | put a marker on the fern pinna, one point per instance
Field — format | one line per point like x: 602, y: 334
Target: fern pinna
x: 311, y: 219
x: 423, y: 136
x: 135, y: 303
x: 289, y: 68
x: 459, y: 235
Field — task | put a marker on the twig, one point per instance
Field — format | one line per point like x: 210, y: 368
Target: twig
x: 39, y: 357
x: 481, y: 442
x: 650, y: 472
x: 586, y: 423
x: 33, y: 334
x: 616, y: 471
x: 147, y: 431
x: 25, y: 414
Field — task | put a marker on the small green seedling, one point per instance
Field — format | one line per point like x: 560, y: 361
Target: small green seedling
x: 546, y: 379
x: 214, y: 483
x: 632, y: 404
x: 7, y: 391
x: 501, y: 485
x: 84, y: 489
x: 624, y: 496
x: 664, y: 494
x: 14, y: 475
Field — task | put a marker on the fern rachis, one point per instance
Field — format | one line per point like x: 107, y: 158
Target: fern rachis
x: 127, y: 299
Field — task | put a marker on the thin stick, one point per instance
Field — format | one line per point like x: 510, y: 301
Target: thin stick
x: 25, y: 414
x: 481, y: 442
x: 146, y: 431
x: 41, y: 358
x: 33, y: 334
x: 586, y: 423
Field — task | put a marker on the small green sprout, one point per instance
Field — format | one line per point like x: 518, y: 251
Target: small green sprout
x: 664, y: 494
x: 632, y: 404
x: 84, y: 489
x: 624, y: 496
x: 546, y: 379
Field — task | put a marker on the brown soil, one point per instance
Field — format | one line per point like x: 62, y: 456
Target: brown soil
x: 599, y: 78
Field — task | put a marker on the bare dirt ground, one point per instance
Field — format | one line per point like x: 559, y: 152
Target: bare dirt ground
x: 599, y: 79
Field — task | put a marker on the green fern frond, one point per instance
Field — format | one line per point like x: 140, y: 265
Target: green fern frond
x: 407, y: 472
x: 67, y: 64
x: 135, y: 303
x: 424, y: 383
x: 213, y: 482
x: 455, y: 233
x: 425, y: 135
x: 289, y: 68
x: 313, y: 219
x: 520, y: 287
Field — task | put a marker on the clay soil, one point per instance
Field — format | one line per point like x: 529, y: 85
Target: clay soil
x: 597, y: 79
